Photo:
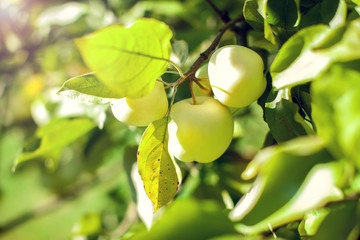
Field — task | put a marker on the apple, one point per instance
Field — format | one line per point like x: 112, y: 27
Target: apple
x: 236, y: 75
x: 199, y: 132
x: 144, y: 110
x: 202, y: 73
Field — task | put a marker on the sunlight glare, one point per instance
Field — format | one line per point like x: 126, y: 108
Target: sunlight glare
x: 6, y: 4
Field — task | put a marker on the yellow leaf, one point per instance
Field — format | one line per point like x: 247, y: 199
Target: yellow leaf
x: 157, y: 168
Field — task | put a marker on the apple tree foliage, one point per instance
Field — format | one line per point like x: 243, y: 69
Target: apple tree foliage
x: 292, y: 170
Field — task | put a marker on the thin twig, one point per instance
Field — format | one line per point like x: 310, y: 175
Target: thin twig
x: 129, y: 218
x: 172, y: 100
x: 177, y: 67
x: 163, y: 82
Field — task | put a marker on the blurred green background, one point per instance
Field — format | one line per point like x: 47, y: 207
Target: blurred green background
x: 85, y: 188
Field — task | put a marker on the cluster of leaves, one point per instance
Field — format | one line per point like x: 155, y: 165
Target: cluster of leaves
x: 303, y: 180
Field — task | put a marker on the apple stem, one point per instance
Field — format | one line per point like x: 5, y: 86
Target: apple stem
x: 192, y: 92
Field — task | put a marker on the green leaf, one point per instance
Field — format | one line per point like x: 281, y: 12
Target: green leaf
x: 334, y: 222
x: 272, y: 17
x: 283, y: 13
x: 87, y: 88
x: 330, y: 12
x: 190, y: 219
x: 180, y: 52
x: 284, y: 120
x: 268, y: 31
x: 257, y: 40
x: 251, y: 129
x: 255, y: 15
x: 357, y: 2
x: 49, y: 106
x: 292, y: 179
x: 252, y: 16
x: 158, y: 8
x: 128, y: 59
x: 311, y: 51
x: 89, y: 224
x: 61, y: 15
x: 297, y: 62
x: 157, y: 168
x: 336, y: 109
x: 302, y: 97
x: 321, y: 186
x: 53, y: 137
x: 342, y: 44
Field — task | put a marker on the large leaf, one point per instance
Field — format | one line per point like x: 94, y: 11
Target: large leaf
x: 87, y: 88
x: 330, y: 12
x: 296, y: 61
x: 280, y: 194
x: 157, y: 168
x: 342, y: 44
x: 128, y: 59
x: 312, y: 51
x: 51, y: 138
x: 321, y: 185
x: 336, y: 109
x: 189, y: 219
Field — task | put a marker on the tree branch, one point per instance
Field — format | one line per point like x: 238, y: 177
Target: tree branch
x: 190, y: 74
x: 206, y: 54
x: 224, y: 16
x: 240, y: 31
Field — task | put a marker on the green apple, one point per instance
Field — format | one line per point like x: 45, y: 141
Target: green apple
x: 199, y: 132
x: 236, y: 75
x: 144, y: 110
x: 202, y: 73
